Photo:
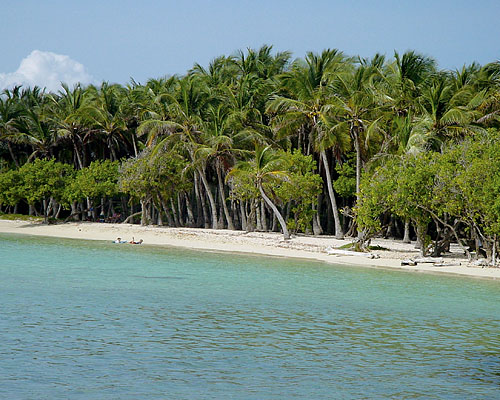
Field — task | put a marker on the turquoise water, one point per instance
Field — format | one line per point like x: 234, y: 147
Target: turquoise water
x: 93, y: 320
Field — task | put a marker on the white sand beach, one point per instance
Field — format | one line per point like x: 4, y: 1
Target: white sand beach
x: 271, y: 244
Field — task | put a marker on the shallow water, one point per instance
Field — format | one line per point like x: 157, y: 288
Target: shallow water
x: 94, y: 320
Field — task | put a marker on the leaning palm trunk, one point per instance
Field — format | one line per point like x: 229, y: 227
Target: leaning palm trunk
x: 174, y: 213
x: 189, y: 209
x: 339, y: 234
x: 164, y: 205
x: 229, y: 220
x: 77, y: 155
x: 200, y: 203
x: 134, y: 145
x: 12, y: 154
x: 355, y: 136
x: 286, y: 234
x: 211, y: 200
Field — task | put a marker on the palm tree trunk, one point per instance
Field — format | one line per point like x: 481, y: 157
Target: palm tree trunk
x: 12, y: 154
x: 286, y: 234
x: 77, y: 154
x: 204, y: 210
x: 220, y: 210
x: 200, y: 204
x: 339, y: 234
x: 355, y: 136
x: 243, y: 216
x: 263, y: 216
x: 230, y: 224
x: 164, y: 205
x: 158, y: 208
x: 189, y: 208
x: 494, y: 251
x: 299, y: 140
x: 274, y: 228
x: 179, y: 208
x: 251, y: 220
x: 134, y: 144
x: 210, y: 198
x: 258, y: 219
x: 111, y: 148
x: 45, y: 211
x: 315, y: 222
x: 174, y: 213
x: 358, y: 164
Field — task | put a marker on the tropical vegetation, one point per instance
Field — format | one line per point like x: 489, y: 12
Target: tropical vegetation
x: 325, y: 144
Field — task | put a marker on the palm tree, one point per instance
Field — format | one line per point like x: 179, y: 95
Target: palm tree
x: 65, y: 112
x: 154, y: 102
x: 35, y: 127
x: 261, y: 62
x: 405, y: 78
x: 233, y: 119
x: 147, y: 107
x: 265, y: 168
x: 307, y: 108
x: 447, y: 113
x: 221, y: 72
x: 11, y: 110
x: 354, y: 107
x: 103, y: 115
x: 223, y: 140
x: 487, y: 79
x: 182, y: 129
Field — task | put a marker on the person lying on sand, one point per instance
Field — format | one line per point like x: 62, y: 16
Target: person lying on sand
x: 134, y: 242
x: 119, y: 240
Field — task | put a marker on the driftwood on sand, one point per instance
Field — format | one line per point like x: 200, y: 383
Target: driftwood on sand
x: 340, y: 252
x: 437, y: 262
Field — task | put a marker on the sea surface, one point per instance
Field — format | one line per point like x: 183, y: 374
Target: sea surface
x: 96, y: 320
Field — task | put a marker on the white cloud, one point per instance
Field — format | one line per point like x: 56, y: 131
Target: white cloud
x: 47, y: 70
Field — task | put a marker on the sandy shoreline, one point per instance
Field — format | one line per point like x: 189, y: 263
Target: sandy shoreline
x: 271, y: 244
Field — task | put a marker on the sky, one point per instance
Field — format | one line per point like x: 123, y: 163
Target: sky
x: 46, y: 42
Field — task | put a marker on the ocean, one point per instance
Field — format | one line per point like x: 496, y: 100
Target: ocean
x: 97, y: 320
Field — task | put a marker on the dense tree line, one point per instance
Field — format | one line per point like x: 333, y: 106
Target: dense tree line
x: 327, y: 143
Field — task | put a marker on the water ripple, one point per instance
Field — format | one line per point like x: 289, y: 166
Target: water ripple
x: 186, y: 325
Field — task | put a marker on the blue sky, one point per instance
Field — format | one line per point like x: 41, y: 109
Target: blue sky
x: 115, y: 40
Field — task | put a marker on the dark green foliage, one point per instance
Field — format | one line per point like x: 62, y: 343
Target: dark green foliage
x: 10, y: 187
x: 254, y: 127
x: 460, y: 184
x: 345, y: 184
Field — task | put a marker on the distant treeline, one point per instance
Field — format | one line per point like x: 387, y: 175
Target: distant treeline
x: 322, y: 144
